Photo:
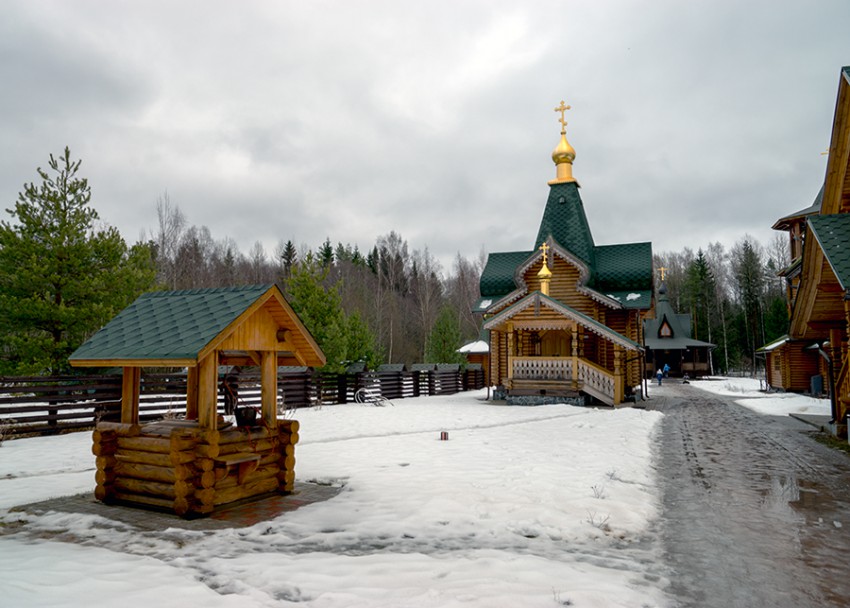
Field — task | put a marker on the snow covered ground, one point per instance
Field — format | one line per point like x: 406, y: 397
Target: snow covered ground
x: 771, y: 404
x: 522, y: 506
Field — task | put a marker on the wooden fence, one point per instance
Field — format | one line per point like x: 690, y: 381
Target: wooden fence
x: 48, y: 405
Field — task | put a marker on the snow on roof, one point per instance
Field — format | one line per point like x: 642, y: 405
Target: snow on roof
x: 479, y: 346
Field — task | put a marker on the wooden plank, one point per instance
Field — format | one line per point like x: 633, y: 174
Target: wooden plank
x: 147, y: 472
x: 154, y: 488
x: 180, y: 506
x: 248, y: 490
x: 119, y: 428
x: 155, y: 458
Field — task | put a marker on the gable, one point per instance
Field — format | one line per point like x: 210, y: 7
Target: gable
x: 536, y: 300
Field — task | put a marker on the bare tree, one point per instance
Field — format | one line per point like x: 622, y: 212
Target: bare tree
x: 426, y: 287
x: 168, y: 239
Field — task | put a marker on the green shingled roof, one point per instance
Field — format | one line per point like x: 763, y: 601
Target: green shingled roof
x: 680, y: 326
x: 623, y: 272
x: 565, y: 221
x: 623, y: 267
x: 169, y: 324
x: 833, y: 234
x: 498, y: 276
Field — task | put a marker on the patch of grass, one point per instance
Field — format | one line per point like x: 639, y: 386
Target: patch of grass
x: 831, y: 441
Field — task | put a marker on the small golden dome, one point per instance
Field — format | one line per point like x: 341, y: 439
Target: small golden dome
x: 563, y: 152
x: 544, y: 272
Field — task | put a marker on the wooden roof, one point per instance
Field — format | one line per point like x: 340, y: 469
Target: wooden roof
x: 679, y: 324
x: 836, y: 193
x: 179, y: 328
x: 618, y: 275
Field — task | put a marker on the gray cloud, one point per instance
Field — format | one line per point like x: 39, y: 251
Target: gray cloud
x: 693, y: 122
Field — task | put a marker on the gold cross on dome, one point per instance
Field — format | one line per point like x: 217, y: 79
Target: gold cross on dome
x: 662, y: 270
x: 562, y: 108
x: 544, y: 248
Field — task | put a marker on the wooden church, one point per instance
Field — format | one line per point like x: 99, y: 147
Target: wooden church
x: 565, y: 317
x: 668, y: 341
x: 814, y: 355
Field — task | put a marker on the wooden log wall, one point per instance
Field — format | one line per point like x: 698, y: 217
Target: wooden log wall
x: 189, y: 470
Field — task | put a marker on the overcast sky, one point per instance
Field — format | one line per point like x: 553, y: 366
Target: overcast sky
x: 693, y: 120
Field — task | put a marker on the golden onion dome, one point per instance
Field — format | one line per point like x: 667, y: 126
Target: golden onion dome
x: 563, y: 152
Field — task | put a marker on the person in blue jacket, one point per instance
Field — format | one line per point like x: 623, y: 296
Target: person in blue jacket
x: 666, y: 370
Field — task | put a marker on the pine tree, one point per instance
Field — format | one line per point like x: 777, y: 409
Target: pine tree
x: 445, y: 339
x: 61, y: 278
x: 326, y: 254
x: 289, y: 258
x: 319, y: 306
x: 748, y: 271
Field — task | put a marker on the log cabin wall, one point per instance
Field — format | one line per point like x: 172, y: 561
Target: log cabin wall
x: 189, y: 470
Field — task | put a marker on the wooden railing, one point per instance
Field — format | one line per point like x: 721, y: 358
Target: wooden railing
x: 596, y: 381
x: 542, y: 368
x: 590, y: 378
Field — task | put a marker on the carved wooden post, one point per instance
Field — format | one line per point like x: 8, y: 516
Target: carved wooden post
x: 618, y: 375
x: 510, y: 351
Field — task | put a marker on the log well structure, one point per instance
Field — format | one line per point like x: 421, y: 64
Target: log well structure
x: 194, y: 465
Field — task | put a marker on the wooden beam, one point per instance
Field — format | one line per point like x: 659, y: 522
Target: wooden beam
x: 268, y: 391
x: 208, y: 391
x: 130, y: 387
x: 182, y: 362
x: 192, y: 393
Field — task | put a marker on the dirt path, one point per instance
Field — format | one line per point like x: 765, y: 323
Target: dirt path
x: 755, y: 512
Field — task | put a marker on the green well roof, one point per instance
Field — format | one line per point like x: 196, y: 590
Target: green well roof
x: 169, y: 324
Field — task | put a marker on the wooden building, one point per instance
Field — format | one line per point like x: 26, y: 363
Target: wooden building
x: 565, y: 317
x: 668, y: 341
x: 194, y: 465
x: 478, y: 353
x: 818, y: 280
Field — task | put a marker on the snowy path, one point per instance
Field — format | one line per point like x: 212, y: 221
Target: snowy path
x: 754, y: 510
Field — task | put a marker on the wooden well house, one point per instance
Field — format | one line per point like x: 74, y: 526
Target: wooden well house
x: 193, y: 465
